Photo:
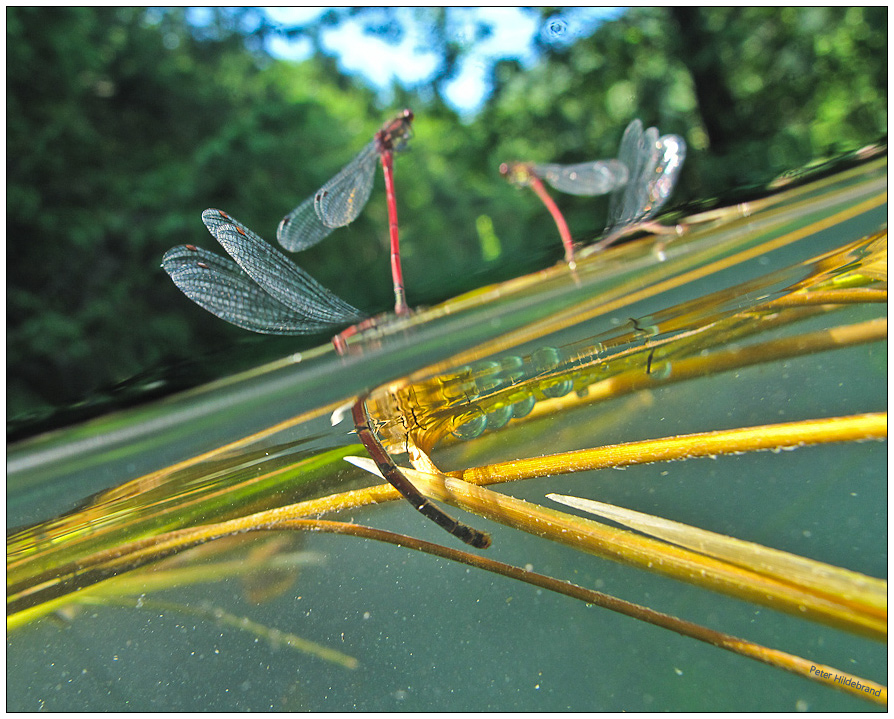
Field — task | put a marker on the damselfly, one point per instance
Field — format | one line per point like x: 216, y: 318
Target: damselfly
x: 340, y: 201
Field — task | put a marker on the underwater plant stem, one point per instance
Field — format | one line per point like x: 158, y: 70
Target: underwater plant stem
x: 787, y: 435
x: 63, y: 579
x: 276, y: 637
x: 136, y: 555
x: 779, y: 659
x: 390, y: 472
x: 633, y: 549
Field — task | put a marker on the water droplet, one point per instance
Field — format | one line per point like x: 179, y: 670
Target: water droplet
x: 486, y: 375
x: 557, y: 27
x: 459, y: 387
x: 546, y: 359
x: 513, y: 368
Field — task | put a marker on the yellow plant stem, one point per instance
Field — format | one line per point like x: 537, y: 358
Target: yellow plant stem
x: 820, y: 673
x: 656, y: 556
x: 841, y: 585
x: 856, y: 295
x: 688, y: 367
x: 136, y: 555
x: 62, y: 580
x: 787, y: 435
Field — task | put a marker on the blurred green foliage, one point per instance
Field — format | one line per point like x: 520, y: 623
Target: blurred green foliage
x: 123, y: 124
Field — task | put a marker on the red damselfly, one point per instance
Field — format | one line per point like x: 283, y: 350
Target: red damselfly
x: 264, y: 291
x: 640, y: 180
x: 340, y: 201
x: 586, y: 178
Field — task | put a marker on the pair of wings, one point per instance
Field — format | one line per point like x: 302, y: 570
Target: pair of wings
x: 654, y: 164
x: 641, y: 179
x: 262, y: 291
x: 340, y: 201
x: 335, y: 204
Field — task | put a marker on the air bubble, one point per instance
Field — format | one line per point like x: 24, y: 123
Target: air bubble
x: 470, y: 424
x: 660, y: 370
x: 558, y: 389
x: 522, y: 406
x: 499, y: 417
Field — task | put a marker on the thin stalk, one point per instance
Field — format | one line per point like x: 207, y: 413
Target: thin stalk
x: 787, y: 435
x: 655, y: 556
x: 276, y: 637
x: 828, y: 676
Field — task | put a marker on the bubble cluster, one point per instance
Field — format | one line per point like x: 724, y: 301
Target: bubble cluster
x: 516, y: 382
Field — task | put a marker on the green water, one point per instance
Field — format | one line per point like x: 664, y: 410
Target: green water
x: 430, y: 635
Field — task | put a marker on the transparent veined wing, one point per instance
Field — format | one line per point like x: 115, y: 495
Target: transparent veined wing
x: 276, y: 274
x: 636, y: 146
x: 654, y: 165
x: 585, y: 178
x: 335, y: 204
x: 341, y: 200
x: 220, y: 286
x: 672, y: 153
x: 301, y: 228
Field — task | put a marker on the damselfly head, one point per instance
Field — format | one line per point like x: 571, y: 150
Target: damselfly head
x: 395, y: 133
x: 518, y: 173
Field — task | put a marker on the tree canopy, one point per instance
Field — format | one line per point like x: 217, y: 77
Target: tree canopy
x: 123, y: 124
